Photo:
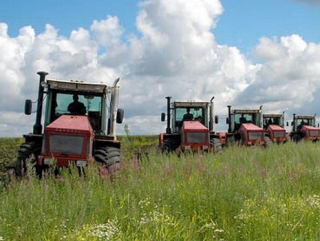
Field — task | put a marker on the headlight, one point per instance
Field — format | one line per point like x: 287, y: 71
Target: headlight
x: 81, y: 163
x: 48, y: 161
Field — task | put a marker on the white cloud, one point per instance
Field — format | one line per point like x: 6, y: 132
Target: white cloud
x: 289, y: 77
x: 175, y: 54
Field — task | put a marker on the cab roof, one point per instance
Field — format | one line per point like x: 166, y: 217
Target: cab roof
x: 184, y: 104
x: 76, y: 86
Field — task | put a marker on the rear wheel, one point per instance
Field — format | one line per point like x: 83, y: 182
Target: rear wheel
x: 108, y: 156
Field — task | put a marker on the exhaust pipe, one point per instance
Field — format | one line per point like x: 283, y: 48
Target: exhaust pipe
x: 229, y: 117
x: 168, y: 129
x: 113, y: 109
x: 37, y: 128
x: 211, y: 121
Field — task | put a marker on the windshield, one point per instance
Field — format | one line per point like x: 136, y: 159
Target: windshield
x: 189, y: 113
x: 310, y: 122
x: 273, y: 121
x: 245, y: 118
x: 91, y: 103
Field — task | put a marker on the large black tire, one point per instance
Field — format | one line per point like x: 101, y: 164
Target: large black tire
x: 232, y: 141
x: 108, y: 156
x: 216, y: 145
x: 296, y: 138
x: 268, y: 141
x: 27, y: 156
x: 169, y: 146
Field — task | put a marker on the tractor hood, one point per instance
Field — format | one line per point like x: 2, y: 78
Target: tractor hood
x: 311, y: 132
x: 76, y: 124
x: 277, y: 133
x: 252, y: 134
x: 68, y: 139
x: 250, y: 127
x: 194, y: 136
x: 193, y: 126
x: 275, y: 128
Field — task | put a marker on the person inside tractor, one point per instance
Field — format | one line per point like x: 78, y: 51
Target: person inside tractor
x: 188, y: 116
x: 302, y: 124
x: 199, y: 118
x: 76, y: 107
x: 243, y: 119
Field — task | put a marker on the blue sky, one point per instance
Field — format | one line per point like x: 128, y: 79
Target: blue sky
x: 65, y: 15
x: 245, y: 53
x: 244, y: 22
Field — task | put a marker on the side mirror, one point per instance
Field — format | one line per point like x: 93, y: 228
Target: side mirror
x: 120, y: 114
x: 163, y: 116
x: 216, y: 119
x: 227, y: 120
x: 28, y: 107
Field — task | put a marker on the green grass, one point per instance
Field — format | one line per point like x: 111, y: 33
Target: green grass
x: 8, y: 153
x: 240, y: 194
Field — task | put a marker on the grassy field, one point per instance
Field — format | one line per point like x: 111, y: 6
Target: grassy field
x: 8, y: 153
x: 240, y: 194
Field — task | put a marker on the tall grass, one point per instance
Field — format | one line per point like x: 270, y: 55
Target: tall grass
x: 8, y: 153
x: 240, y: 194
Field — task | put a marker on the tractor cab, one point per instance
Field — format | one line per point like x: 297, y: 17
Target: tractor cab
x: 273, y: 119
x: 190, y: 126
x: 189, y: 111
x: 79, y: 125
x: 61, y: 96
x: 304, y: 127
x: 245, y: 126
x: 92, y: 96
x: 236, y: 117
x: 273, y: 125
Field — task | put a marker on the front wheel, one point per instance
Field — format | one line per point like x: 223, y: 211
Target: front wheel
x: 268, y: 141
x: 27, y: 156
x: 169, y: 145
x: 108, y: 156
x: 296, y: 138
x: 216, y: 145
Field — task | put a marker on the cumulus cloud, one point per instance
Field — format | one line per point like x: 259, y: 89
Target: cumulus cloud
x: 175, y: 53
x: 289, y: 77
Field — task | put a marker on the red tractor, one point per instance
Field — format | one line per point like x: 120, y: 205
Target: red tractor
x: 273, y: 124
x: 71, y: 136
x: 245, y: 127
x: 304, y: 128
x: 189, y: 127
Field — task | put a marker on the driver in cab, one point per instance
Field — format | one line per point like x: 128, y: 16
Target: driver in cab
x: 76, y: 107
